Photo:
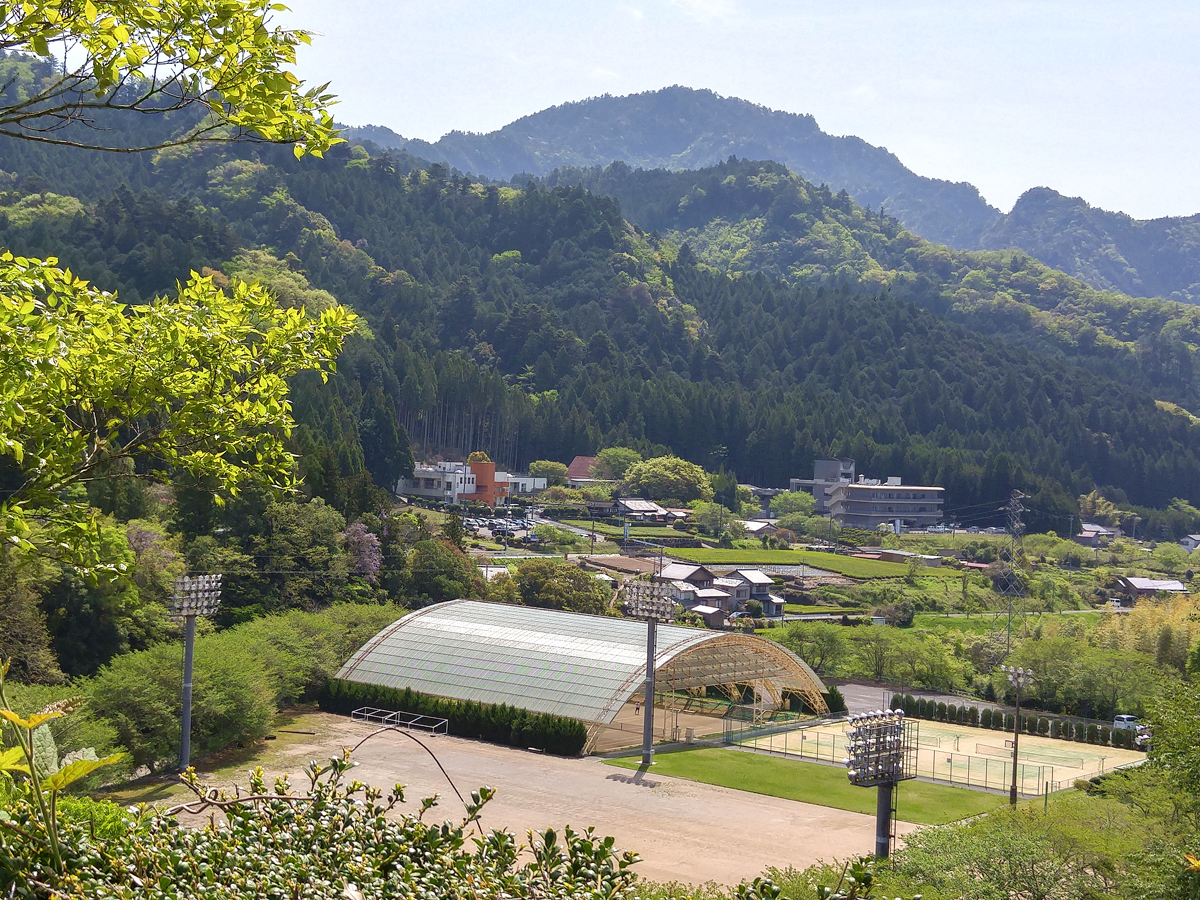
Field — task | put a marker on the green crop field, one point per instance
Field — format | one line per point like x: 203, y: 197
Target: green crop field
x: 645, y: 532
x: 830, y: 562
x: 919, y: 802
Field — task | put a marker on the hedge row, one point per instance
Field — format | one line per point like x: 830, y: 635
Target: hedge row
x: 498, y: 724
x: 1062, y: 729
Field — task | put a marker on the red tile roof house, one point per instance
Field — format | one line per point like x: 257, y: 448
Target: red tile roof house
x: 579, y: 472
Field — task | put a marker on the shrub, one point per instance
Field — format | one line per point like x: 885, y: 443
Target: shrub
x: 834, y: 699
x: 241, y: 677
x: 1093, y: 734
x: 897, y: 702
x: 1043, y: 726
x: 1079, y: 732
x: 951, y: 712
x: 1105, y: 734
x: 910, y: 706
x: 139, y: 694
x: 1120, y: 738
x: 1055, y: 728
x: 973, y: 717
x: 495, y: 723
x: 339, y: 839
x: 941, y: 711
x: 1010, y: 721
x: 985, y: 717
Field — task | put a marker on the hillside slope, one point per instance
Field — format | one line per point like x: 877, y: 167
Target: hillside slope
x: 747, y: 217
x: 537, y: 323
x: 678, y: 127
x: 1111, y: 251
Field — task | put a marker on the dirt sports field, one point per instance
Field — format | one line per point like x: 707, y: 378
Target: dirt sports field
x: 684, y: 831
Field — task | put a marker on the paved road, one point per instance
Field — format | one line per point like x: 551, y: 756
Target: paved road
x: 684, y: 831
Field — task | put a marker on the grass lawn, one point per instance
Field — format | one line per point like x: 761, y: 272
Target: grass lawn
x: 830, y: 562
x: 919, y: 802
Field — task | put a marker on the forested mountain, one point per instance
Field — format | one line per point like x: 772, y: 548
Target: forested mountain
x: 537, y: 323
x: 678, y: 127
x: 744, y: 217
x: 1112, y: 251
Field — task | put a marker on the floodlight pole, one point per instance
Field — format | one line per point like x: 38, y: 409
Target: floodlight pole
x: 1019, y: 679
x: 648, y: 705
x: 883, y: 820
x: 189, y: 646
x: 193, y: 596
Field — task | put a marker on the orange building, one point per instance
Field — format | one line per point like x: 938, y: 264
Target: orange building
x: 487, y: 489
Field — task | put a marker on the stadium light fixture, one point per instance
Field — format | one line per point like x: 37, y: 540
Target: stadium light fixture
x: 881, y: 749
x: 194, y: 596
x: 647, y: 600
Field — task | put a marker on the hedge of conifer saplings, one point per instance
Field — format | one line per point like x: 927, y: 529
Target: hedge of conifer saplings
x: 495, y: 723
x: 998, y: 720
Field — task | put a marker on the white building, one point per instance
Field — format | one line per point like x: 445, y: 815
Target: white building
x: 444, y: 481
x: 454, y: 482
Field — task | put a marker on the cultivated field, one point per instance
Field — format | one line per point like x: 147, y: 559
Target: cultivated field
x: 830, y: 562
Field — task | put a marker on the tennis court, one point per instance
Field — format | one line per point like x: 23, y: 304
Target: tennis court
x: 960, y: 754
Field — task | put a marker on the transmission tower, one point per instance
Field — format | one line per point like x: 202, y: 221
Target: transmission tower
x: 1011, y: 580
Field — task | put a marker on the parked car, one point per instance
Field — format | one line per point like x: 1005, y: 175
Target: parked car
x: 1125, y: 723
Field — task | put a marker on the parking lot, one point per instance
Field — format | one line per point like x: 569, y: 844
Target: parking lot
x: 684, y: 831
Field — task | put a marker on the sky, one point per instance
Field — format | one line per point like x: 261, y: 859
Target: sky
x: 1094, y: 99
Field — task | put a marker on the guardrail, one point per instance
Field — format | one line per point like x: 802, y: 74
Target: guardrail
x: 408, y: 721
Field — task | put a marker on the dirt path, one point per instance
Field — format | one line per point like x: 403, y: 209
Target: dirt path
x: 683, y: 830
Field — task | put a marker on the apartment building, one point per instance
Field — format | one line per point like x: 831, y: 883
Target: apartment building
x: 869, y: 503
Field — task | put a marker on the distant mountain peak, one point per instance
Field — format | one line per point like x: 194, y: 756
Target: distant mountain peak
x: 679, y: 127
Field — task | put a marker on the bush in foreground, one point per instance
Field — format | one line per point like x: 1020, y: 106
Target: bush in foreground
x: 333, y: 840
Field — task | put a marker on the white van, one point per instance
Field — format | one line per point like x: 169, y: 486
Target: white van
x: 1125, y: 723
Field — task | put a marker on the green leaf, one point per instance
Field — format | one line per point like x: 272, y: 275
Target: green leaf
x: 78, y: 769
x: 32, y: 722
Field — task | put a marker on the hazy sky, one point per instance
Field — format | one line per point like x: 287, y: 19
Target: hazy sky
x: 1093, y: 99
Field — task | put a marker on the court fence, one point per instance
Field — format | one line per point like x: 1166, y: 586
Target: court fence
x: 1046, y: 771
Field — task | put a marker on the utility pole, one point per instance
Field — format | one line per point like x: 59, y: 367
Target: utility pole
x: 198, y: 596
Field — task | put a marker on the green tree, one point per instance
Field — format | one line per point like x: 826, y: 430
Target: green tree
x: 197, y: 383
x: 554, y: 584
x: 668, y: 477
x: 1175, y: 723
x: 822, y: 645
x: 222, y: 58
x: 614, y: 462
x: 793, y: 502
x: 553, y: 472
x: 439, y: 571
x: 454, y: 531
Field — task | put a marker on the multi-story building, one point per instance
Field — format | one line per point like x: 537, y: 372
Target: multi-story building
x: 826, y: 474
x: 459, y: 482
x: 868, y: 503
x: 445, y: 481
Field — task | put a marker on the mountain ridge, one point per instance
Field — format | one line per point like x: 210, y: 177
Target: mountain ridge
x: 682, y: 128
x: 633, y: 129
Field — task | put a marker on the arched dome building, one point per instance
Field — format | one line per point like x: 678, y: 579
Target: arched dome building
x: 590, y: 668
